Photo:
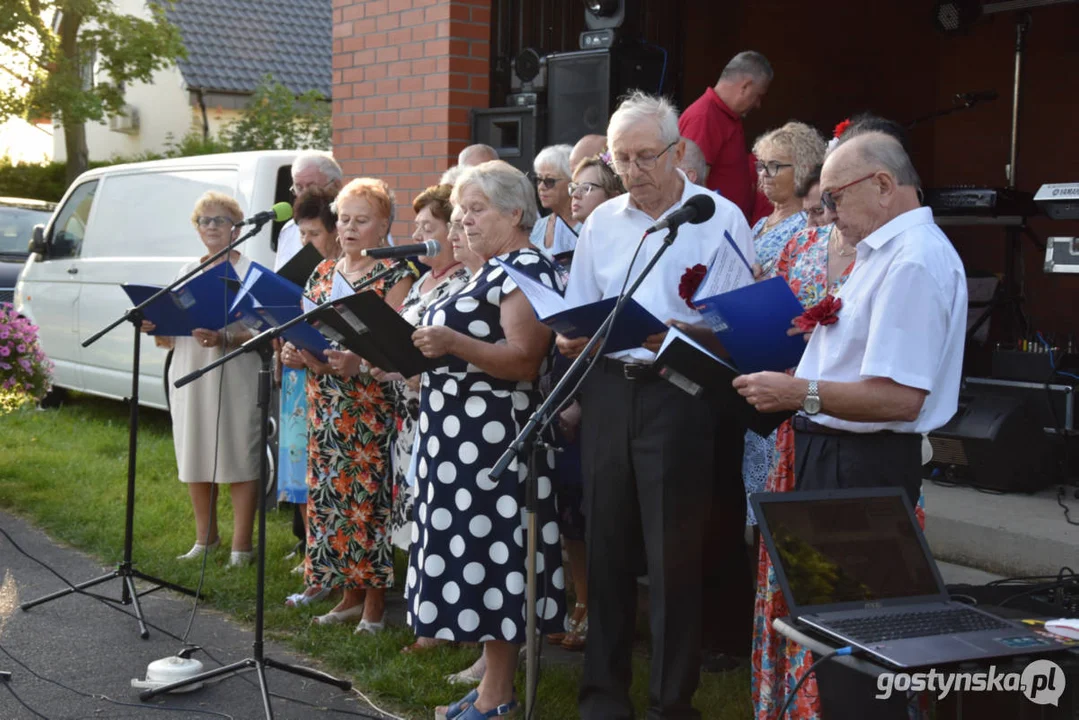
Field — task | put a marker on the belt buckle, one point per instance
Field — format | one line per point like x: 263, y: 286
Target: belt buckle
x: 635, y: 371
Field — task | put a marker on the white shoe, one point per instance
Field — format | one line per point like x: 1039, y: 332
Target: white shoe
x: 241, y: 558
x: 302, y: 599
x: 333, y: 618
x: 367, y: 627
x: 298, y: 570
x: 471, y: 675
x: 198, y: 549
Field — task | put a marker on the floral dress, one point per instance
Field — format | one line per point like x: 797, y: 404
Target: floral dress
x: 757, y: 458
x: 466, y: 570
x: 406, y: 405
x: 349, y: 488
x: 778, y: 662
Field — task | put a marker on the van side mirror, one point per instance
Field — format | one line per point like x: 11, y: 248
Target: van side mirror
x: 37, y: 241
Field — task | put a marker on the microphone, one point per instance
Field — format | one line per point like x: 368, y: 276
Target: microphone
x: 697, y: 209
x: 976, y: 97
x: 280, y: 212
x: 427, y: 248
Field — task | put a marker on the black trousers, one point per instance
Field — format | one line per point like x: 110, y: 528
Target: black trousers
x: 646, y: 456
x: 828, y: 462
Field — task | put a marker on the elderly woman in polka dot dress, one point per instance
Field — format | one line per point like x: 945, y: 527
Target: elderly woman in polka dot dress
x: 466, y: 575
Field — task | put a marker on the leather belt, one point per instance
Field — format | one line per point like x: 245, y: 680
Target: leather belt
x: 804, y: 424
x: 634, y: 372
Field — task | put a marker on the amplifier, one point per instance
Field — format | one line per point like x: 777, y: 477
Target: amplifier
x: 980, y: 201
x: 1051, y: 407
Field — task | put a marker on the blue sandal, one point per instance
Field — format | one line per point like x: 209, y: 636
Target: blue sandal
x: 457, y: 708
x: 505, y: 710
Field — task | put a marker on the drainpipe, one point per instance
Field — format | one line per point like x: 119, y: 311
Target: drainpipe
x: 205, y: 118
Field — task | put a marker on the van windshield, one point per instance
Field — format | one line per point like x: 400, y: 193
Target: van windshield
x: 16, y: 227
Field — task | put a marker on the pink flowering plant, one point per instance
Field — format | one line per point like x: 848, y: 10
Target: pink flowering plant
x: 25, y: 372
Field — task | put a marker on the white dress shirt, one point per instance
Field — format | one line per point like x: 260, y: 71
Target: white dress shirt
x: 903, y: 317
x: 288, y: 244
x: 609, y: 237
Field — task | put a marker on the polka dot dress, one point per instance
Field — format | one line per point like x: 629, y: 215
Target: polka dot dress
x: 466, y: 573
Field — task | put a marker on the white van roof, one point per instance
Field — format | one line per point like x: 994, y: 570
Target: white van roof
x: 234, y: 159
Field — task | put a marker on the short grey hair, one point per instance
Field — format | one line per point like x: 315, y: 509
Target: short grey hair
x: 881, y: 151
x: 488, y: 152
x: 639, y: 106
x: 555, y: 156
x: 506, y: 187
x: 748, y: 63
x: 450, y: 176
x: 694, y: 160
x: 325, y: 164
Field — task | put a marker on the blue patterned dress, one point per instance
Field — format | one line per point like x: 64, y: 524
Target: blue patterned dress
x: 757, y: 458
x: 466, y: 570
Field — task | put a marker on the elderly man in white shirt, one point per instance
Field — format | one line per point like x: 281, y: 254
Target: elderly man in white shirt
x: 310, y: 171
x: 646, y: 446
x: 889, y: 368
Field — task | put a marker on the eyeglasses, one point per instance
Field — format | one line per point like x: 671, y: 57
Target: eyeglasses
x: 643, y: 162
x: 547, y: 182
x: 770, y: 169
x: 829, y: 197
x: 583, y: 187
x: 297, y: 190
x: 215, y: 221
x: 816, y: 212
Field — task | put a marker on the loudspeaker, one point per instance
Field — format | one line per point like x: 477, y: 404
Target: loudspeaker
x: 992, y: 442
x: 583, y: 87
x: 515, y: 132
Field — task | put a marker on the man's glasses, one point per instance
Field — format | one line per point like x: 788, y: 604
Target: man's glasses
x: 582, y: 189
x: 644, y: 163
x: 829, y: 197
x: 770, y: 169
x: 215, y: 221
x: 547, y: 182
x: 298, y: 190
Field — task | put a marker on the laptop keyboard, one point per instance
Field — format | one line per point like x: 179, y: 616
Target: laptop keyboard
x: 915, y: 624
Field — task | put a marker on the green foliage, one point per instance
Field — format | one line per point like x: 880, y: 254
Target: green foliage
x: 93, y: 39
x: 276, y: 119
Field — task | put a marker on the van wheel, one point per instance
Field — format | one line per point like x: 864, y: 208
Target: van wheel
x: 54, y: 399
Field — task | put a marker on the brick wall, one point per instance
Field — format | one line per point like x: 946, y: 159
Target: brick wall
x: 406, y: 73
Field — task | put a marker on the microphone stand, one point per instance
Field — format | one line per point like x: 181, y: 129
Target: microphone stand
x: 125, y: 569
x: 525, y: 446
x: 263, y: 345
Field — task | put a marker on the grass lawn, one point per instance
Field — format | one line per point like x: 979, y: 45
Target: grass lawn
x: 66, y: 470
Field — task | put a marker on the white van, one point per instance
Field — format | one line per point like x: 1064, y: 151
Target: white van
x: 132, y: 223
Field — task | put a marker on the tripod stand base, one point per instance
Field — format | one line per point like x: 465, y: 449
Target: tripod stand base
x: 259, y: 665
x: 129, y: 595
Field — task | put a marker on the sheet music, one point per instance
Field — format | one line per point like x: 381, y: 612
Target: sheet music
x: 341, y: 288
x: 544, y: 300
x: 729, y: 271
x: 675, y: 334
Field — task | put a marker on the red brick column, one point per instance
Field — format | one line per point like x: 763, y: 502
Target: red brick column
x: 406, y: 73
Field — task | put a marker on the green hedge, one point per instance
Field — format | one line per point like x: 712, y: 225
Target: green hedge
x: 45, y: 181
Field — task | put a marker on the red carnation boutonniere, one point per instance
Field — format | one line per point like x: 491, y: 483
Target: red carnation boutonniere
x: 691, y: 280
x: 841, y: 128
x: 826, y: 312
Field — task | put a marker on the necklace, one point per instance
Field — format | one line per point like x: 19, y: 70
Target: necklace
x: 440, y: 275
x: 839, y: 247
x: 345, y: 267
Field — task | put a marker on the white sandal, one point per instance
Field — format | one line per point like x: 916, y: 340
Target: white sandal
x: 366, y: 627
x: 303, y: 599
x: 198, y: 549
x: 335, y: 618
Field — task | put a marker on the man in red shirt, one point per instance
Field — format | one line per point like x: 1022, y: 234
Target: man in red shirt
x: 714, y: 122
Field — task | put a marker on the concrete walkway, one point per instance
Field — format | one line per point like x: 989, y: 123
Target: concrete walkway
x: 80, y: 642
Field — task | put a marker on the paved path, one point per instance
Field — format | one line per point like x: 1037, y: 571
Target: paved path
x: 81, y: 643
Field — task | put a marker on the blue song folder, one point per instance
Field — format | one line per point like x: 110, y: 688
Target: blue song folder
x: 264, y: 288
x: 302, y: 335
x: 630, y: 330
x: 202, y: 302
x: 752, y: 323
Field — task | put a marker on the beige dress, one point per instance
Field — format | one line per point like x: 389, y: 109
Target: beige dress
x: 195, y: 419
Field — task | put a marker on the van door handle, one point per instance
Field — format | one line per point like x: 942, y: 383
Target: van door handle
x: 72, y: 271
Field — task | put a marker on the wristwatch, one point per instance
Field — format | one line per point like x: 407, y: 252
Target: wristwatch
x: 811, y: 404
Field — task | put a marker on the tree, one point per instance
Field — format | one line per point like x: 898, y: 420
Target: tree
x: 75, y: 70
x: 275, y: 118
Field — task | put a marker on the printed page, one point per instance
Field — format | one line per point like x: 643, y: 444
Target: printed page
x: 729, y: 271
x: 544, y: 300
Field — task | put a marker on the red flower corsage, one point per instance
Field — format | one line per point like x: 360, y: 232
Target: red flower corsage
x: 691, y: 280
x: 841, y: 128
x: 826, y: 312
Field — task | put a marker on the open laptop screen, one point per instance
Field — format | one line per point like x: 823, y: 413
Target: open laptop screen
x: 848, y: 549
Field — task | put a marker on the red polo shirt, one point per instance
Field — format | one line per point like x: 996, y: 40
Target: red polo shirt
x: 718, y: 131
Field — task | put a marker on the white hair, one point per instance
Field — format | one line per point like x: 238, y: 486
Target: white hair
x: 554, y: 156
x: 450, y: 176
x: 748, y: 64
x: 505, y: 187
x: 638, y: 106
x: 475, y: 154
x: 694, y: 160
x: 325, y: 165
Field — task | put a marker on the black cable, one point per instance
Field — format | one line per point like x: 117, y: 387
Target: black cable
x: 22, y: 702
x: 1067, y: 510
x: 805, y: 676
x: 106, y: 698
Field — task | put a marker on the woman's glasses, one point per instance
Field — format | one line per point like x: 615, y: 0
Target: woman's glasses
x: 770, y: 169
x: 582, y: 189
x: 547, y: 182
x: 215, y: 221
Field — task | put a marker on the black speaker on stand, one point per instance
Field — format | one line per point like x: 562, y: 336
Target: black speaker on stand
x: 515, y: 132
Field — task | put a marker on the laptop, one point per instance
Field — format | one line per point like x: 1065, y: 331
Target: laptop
x: 854, y: 566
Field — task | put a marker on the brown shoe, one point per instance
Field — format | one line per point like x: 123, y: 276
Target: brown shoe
x: 575, y: 640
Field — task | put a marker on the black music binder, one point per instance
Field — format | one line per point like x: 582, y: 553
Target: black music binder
x: 299, y: 267
x: 683, y: 363
x: 366, y: 325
